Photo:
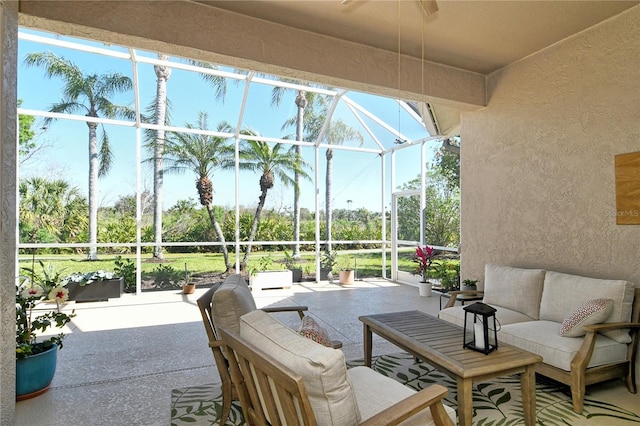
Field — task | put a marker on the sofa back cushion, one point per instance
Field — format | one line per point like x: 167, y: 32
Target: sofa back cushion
x: 564, y: 292
x: 232, y: 300
x: 323, y: 369
x: 517, y: 289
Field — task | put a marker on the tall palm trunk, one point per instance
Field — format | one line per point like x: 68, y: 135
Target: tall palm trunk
x: 218, y: 230
x: 254, y: 225
x: 93, y: 191
x: 328, y: 214
x: 301, y: 103
x: 162, y: 74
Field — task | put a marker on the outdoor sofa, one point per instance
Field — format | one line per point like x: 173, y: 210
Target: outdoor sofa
x: 585, y: 329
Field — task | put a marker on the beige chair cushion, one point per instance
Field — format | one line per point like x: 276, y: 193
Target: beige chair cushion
x: 323, y: 369
x: 232, y: 300
x: 375, y: 392
x: 517, y: 289
x: 563, y: 293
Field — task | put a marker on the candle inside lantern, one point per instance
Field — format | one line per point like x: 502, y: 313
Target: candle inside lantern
x: 479, y: 333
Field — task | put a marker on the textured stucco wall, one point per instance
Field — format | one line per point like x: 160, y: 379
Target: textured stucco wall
x: 8, y: 162
x: 538, y: 162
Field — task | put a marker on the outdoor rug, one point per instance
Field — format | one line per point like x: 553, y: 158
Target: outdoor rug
x: 494, y: 403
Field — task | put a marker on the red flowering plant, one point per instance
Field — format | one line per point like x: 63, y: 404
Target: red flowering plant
x: 424, y: 257
x: 31, y: 314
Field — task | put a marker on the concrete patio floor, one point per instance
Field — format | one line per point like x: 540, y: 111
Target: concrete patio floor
x: 122, y: 358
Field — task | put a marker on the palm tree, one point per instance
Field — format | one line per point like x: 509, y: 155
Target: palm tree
x: 271, y: 161
x: 202, y: 154
x: 163, y: 73
x: 87, y: 94
x: 336, y: 133
x: 50, y: 210
x: 303, y: 99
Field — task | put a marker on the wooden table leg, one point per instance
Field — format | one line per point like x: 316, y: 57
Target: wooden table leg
x: 465, y: 402
x: 528, y: 385
x: 367, y: 345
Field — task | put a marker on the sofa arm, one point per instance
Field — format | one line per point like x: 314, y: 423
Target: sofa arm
x: 431, y: 397
x: 610, y: 326
x: 582, y: 358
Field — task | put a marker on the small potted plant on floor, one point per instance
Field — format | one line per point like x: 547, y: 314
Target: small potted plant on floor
x: 36, y: 359
x: 424, y: 258
x: 327, y: 263
x: 189, y: 287
x: 347, y: 274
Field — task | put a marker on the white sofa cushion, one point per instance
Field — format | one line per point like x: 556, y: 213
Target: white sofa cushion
x: 543, y: 338
x: 562, y: 293
x: 455, y: 315
x: 323, y: 369
x: 375, y: 392
x: 517, y: 289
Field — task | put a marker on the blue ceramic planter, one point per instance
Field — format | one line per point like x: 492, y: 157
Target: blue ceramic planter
x: 35, y: 373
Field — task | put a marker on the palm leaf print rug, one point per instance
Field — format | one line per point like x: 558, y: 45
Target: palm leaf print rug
x: 495, y: 403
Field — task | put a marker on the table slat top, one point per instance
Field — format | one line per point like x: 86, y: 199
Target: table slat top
x: 440, y: 342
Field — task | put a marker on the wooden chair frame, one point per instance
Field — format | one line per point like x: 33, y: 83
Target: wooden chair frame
x: 229, y: 392
x: 269, y: 389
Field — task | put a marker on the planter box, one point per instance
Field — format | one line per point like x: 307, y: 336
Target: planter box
x: 96, y: 291
x: 271, y: 279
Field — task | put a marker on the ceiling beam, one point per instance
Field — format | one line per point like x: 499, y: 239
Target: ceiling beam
x: 194, y: 30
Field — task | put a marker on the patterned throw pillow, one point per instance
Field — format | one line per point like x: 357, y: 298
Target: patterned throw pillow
x: 312, y: 330
x: 591, y: 312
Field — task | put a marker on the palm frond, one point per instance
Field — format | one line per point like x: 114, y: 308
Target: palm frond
x: 105, y: 155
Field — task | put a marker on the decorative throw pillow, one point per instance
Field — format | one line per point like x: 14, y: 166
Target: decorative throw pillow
x: 591, y: 312
x: 312, y: 330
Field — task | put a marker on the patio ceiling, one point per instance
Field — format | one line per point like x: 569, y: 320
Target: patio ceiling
x: 478, y: 36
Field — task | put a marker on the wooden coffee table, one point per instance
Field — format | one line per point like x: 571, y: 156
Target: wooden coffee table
x: 439, y: 343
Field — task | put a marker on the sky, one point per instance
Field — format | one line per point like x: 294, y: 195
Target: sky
x: 356, y: 176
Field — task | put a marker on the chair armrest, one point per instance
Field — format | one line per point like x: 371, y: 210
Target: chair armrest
x: 431, y: 397
x: 216, y: 344
x: 454, y: 294
x: 298, y: 309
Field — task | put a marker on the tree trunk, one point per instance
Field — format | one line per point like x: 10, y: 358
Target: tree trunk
x: 254, y: 227
x: 93, y: 191
x: 301, y: 103
x: 218, y: 230
x: 327, y: 202
x: 162, y: 74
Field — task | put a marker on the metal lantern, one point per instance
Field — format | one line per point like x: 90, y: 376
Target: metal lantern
x: 485, y: 333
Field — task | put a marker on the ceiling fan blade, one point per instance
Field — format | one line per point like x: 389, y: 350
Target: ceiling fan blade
x: 429, y: 7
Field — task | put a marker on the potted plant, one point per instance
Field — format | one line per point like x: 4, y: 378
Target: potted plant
x: 347, y: 274
x: 291, y: 263
x: 424, y: 258
x: 327, y: 263
x: 188, y: 287
x: 265, y: 276
x: 94, y: 286
x: 469, y: 285
x: 36, y: 359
